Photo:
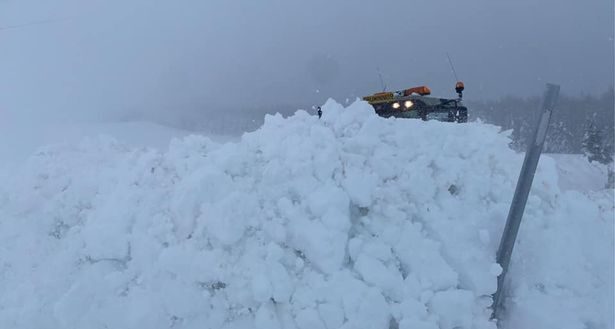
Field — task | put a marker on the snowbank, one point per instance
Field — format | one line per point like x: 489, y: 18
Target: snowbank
x: 576, y: 173
x: 26, y: 136
x: 352, y: 221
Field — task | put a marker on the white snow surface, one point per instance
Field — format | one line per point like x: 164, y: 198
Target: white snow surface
x: 27, y: 136
x: 576, y: 173
x: 351, y: 221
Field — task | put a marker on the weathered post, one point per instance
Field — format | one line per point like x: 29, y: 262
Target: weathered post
x: 522, y: 191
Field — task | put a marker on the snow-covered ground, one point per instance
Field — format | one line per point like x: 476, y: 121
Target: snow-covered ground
x: 576, y: 173
x: 352, y: 221
x: 25, y: 137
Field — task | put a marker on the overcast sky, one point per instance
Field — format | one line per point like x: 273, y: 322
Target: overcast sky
x: 82, y: 56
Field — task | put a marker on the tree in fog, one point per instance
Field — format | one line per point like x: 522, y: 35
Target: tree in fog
x: 594, y: 145
x: 567, y: 128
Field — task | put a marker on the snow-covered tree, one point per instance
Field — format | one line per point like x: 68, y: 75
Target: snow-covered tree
x: 599, y: 149
x: 610, y: 153
x: 594, y: 145
x: 558, y: 138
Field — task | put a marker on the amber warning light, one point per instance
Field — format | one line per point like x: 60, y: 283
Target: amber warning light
x: 422, y: 90
x: 459, y: 87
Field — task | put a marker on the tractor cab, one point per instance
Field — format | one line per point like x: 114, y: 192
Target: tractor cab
x: 416, y: 103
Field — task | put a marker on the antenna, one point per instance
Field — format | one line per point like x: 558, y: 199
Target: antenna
x: 452, y: 67
x: 459, y: 87
x: 384, y: 86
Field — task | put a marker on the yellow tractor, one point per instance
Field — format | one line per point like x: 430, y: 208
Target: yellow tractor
x: 416, y: 103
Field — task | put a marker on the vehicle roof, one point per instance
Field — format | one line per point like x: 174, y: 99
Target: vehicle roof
x: 426, y: 99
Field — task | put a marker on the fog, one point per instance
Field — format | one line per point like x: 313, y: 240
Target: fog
x: 106, y: 59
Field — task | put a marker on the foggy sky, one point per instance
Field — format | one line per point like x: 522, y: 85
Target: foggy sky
x: 96, y: 57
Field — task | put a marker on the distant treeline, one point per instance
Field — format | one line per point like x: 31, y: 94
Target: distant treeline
x: 571, y: 122
x: 226, y: 121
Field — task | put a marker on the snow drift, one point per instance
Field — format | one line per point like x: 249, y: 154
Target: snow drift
x: 352, y: 221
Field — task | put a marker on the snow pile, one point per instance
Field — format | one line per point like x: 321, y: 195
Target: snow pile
x: 40, y: 133
x: 576, y: 173
x: 352, y: 221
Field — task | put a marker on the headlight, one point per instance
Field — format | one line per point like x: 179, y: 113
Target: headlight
x: 408, y: 104
x: 396, y: 105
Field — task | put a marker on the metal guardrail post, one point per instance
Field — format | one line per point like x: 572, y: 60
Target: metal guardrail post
x: 522, y: 191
